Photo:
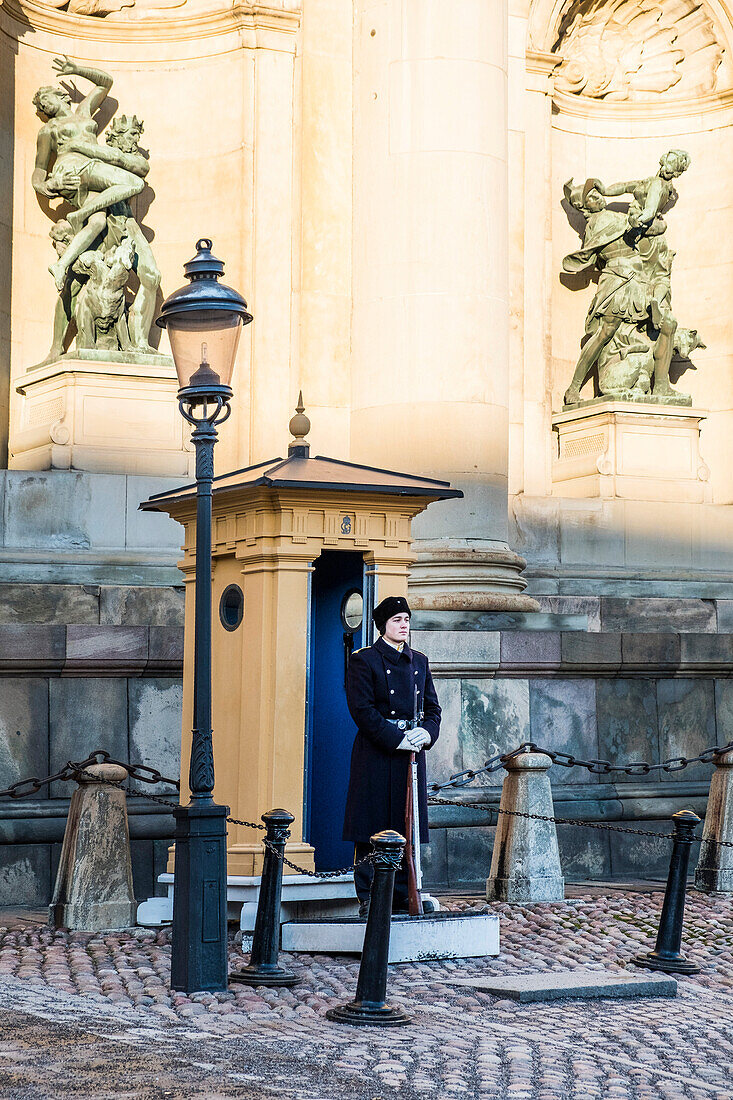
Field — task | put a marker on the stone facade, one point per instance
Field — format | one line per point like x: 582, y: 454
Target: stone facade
x: 383, y: 180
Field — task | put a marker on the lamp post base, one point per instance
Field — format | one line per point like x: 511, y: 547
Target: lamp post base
x: 275, y: 976
x: 365, y: 1012
x: 679, y: 965
x: 199, y: 943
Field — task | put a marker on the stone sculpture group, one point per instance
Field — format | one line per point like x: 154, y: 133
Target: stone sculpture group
x: 632, y: 333
x: 99, y: 242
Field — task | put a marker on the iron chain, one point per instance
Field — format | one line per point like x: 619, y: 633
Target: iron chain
x: 294, y: 866
x: 596, y: 767
x: 486, y: 808
x: 79, y: 770
x: 24, y: 788
x: 433, y: 801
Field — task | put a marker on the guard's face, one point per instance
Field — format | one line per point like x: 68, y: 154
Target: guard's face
x: 397, y: 628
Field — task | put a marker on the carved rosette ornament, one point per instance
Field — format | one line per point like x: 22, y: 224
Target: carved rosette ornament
x: 637, y: 50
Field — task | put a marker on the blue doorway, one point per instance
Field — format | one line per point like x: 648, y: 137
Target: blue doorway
x: 338, y: 603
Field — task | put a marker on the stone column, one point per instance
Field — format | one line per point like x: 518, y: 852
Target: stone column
x: 431, y: 298
x: 525, y: 865
x: 94, y: 881
x: 322, y: 271
x: 714, y: 869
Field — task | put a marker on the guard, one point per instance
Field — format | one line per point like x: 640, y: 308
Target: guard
x: 380, y: 691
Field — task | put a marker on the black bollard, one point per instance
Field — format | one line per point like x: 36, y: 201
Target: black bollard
x: 666, y: 954
x: 369, y: 1007
x: 263, y: 968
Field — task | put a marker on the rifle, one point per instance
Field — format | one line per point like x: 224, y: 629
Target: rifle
x: 412, y: 829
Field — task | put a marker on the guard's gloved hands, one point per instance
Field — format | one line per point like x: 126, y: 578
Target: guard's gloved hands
x: 406, y: 745
x: 419, y: 738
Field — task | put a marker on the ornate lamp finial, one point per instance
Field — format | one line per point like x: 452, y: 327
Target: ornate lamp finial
x: 299, y: 426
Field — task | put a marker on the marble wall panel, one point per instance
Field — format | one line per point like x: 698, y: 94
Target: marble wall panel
x: 585, y: 854
x: 49, y: 603
x: 86, y: 713
x: 574, y: 605
x: 155, y: 707
x: 445, y: 758
x: 434, y: 859
x: 627, y: 723
x: 132, y: 606
x: 724, y: 710
x: 563, y: 717
x: 495, y: 719
x: 686, y: 710
x: 469, y: 856
x: 25, y: 874
x: 643, y: 857
x: 724, y: 616
x: 72, y: 511
x: 648, y: 615
x: 23, y: 729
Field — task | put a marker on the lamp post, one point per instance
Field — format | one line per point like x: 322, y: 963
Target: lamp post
x: 204, y: 321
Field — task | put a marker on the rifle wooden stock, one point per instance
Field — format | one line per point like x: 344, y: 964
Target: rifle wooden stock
x: 414, y: 901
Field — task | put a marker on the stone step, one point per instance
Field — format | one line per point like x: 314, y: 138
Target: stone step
x: 576, y: 984
x: 434, y: 936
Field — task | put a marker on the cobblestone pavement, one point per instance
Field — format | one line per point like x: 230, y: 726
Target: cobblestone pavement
x: 92, y: 1015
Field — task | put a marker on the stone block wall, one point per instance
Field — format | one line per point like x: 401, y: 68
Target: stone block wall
x: 65, y: 691
x: 114, y: 681
x: 613, y: 696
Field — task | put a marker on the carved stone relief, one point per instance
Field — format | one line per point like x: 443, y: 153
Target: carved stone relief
x: 637, y: 50
x: 631, y: 333
x: 98, y: 241
x: 107, y: 7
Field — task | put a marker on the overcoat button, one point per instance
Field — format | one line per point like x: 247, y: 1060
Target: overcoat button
x: 391, y: 691
x: 391, y: 712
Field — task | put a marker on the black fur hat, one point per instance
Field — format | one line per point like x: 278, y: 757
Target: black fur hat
x: 392, y: 605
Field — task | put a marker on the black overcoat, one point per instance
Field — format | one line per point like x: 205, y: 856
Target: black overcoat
x: 380, y: 688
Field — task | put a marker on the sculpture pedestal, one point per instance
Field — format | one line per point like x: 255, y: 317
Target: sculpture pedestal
x: 634, y: 450
x: 108, y: 412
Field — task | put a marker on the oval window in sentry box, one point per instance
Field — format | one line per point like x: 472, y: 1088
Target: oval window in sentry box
x: 231, y: 607
x: 352, y: 611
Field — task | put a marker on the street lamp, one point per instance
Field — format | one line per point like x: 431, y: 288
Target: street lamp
x: 204, y: 321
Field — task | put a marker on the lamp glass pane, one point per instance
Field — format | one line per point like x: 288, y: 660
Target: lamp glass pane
x: 211, y: 335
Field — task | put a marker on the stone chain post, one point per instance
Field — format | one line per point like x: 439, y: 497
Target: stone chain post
x: 525, y: 864
x: 93, y: 890
x: 714, y: 870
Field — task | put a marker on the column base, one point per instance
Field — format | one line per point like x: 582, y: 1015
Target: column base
x: 199, y: 942
x: 362, y: 1012
x: 275, y: 976
x: 451, y: 575
x: 679, y: 965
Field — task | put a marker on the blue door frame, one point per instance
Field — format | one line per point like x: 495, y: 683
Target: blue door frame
x: 330, y: 728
